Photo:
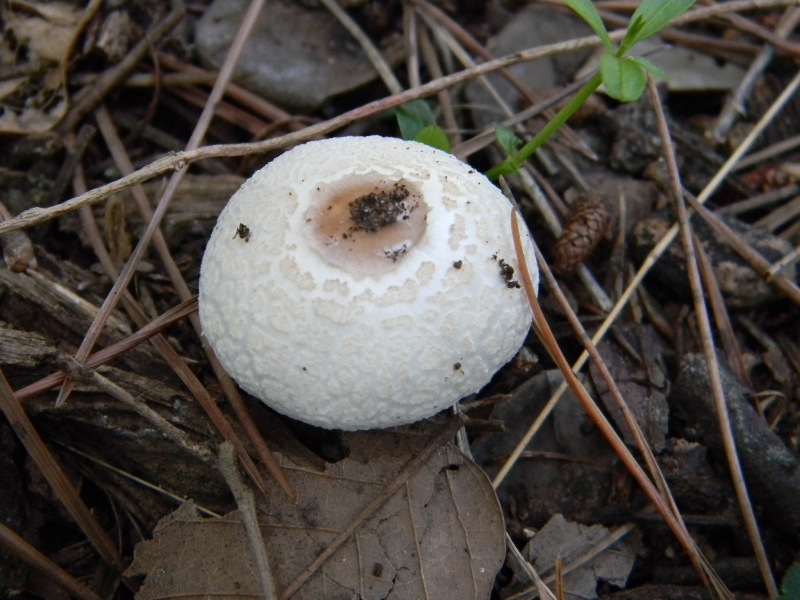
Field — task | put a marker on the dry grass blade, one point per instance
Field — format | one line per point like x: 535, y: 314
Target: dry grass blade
x: 180, y: 368
x: 36, y: 560
x: 241, y: 96
x: 152, y: 228
x: 563, y: 569
x: 435, y: 68
x: 665, y: 507
x: 422, y: 36
x: 730, y: 345
x: 142, y: 482
x: 707, y: 339
x: 62, y: 486
x: 152, y: 232
x: 470, y: 43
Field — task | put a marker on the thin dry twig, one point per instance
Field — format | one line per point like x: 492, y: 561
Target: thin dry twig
x: 154, y: 327
x: 730, y: 345
x: 176, y: 277
x: 373, y: 54
x: 463, y: 37
x: 199, y: 132
x: 152, y: 232
x: 707, y: 339
x: 237, y: 93
x: 735, y: 104
x: 20, y: 548
x: 180, y: 160
x: 246, y: 502
x: 63, y: 488
x: 761, y: 265
x: 665, y: 506
x: 784, y: 284
x: 169, y: 430
x: 92, y: 95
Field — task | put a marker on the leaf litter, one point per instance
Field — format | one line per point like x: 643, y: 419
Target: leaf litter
x: 590, y: 554
x: 438, y: 533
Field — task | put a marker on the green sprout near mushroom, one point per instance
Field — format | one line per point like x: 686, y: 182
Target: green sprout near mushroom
x: 623, y: 76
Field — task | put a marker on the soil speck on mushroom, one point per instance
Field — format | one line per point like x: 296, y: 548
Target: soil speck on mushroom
x: 507, y: 273
x: 378, y: 209
x: 243, y: 232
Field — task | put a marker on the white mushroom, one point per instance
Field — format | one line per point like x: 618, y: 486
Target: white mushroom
x: 356, y: 283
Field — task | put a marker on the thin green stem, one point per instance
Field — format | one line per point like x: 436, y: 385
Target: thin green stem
x: 513, y: 163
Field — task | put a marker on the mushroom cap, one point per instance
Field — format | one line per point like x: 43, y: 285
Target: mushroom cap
x: 364, y: 282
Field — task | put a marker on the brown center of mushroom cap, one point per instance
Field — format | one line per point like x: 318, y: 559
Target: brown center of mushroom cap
x: 366, y: 227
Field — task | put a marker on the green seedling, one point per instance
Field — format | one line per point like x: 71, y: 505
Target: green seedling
x: 416, y: 122
x: 624, y: 76
x: 790, y: 589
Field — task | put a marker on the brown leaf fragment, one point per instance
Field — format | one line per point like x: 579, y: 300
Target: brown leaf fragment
x: 589, y: 554
x: 440, y: 535
x: 192, y: 557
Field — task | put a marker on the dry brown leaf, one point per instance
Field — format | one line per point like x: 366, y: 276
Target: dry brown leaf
x: 42, y: 33
x: 575, y: 544
x: 31, y: 119
x: 441, y: 535
x: 46, y: 29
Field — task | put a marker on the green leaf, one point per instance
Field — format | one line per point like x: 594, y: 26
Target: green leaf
x: 434, y: 136
x: 413, y: 117
x: 651, y: 17
x: 648, y: 66
x: 791, y: 583
x: 507, y: 139
x: 624, y: 79
x: 588, y: 13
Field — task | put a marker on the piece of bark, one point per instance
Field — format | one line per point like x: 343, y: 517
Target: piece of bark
x: 771, y: 471
x: 741, y: 286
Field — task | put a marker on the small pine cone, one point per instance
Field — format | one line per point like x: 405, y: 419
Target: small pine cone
x: 582, y: 233
x: 769, y: 178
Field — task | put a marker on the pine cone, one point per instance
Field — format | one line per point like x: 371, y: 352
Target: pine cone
x: 582, y: 233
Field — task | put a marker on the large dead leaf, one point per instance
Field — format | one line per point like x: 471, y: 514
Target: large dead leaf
x: 439, y: 535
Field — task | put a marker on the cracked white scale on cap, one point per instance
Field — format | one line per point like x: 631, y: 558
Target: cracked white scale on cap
x: 357, y: 283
